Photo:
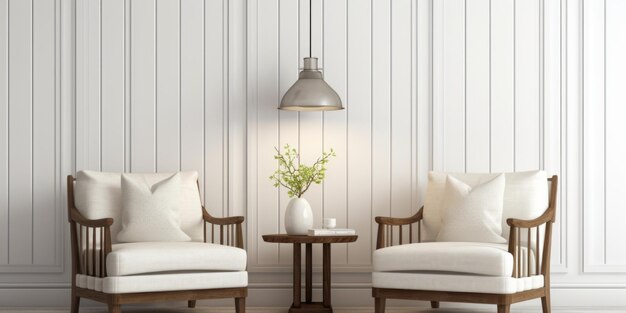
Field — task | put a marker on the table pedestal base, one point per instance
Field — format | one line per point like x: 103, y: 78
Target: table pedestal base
x: 311, y: 307
x: 308, y: 306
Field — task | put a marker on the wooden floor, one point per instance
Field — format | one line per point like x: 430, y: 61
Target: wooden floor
x: 280, y: 310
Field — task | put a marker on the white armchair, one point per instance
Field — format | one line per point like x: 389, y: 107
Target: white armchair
x: 212, y: 265
x: 419, y: 268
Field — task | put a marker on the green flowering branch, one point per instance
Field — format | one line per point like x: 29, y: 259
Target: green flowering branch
x: 297, y: 178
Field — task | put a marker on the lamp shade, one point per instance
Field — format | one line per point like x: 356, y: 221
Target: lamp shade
x: 310, y: 92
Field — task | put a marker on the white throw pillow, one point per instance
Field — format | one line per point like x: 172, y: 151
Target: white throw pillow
x: 151, y: 213
x: 472, y: 214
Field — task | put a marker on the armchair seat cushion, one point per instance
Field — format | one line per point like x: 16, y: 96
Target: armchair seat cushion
x: 451, y: 282
x: 153, y: 257
x: 164, y: 282
x: 460, y: 257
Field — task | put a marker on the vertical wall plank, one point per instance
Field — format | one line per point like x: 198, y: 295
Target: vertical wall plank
x: 477, y: 86
x: 88, y: 95
x: 401, y: 108
x: 113, y: 85
x: 268, y: 97
x: 381, y: 110
x: 237, y: 107
x: 615, y: 130
x: 554, y: 105
x: 252, y: 136
x: 128, y: 85
x: 44, y: 134
x: 192, y: 87
x: 143, y: 78
x: 414, y: 110
x: 214, y: 103
x: 502, y: 86
x: 453, y: 126
x: 424, y: 96
x: 437, y: 81
x: 572, y: 118
x: 594, y: 167
x: 4, y: 137
x: 527, y: 80
x: 168, y: 96
x: 20, y: 133
x: 288, y: 54
x: 336, y: 74
x: 359, y: 129
x: 303, y: 31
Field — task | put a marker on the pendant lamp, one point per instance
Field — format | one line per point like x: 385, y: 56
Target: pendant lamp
x: 310, y: 92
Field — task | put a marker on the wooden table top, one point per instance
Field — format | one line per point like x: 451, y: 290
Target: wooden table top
x: 284, y: 238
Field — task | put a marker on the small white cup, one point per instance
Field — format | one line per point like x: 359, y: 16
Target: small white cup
x: 330, y: 223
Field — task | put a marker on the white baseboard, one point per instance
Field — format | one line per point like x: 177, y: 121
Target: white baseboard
x: 582, y: 299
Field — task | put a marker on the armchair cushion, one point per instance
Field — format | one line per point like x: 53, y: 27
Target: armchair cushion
x: 98, y: 195
x: 472, y: 214
x: 525, y: 197
x: 154, y: 257
x: 164, y: 282
x: 151, y: 213
x: 459, y: 257
x: 452, y: 282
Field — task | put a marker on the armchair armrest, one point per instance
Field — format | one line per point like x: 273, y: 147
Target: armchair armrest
x: 231, y: 220
x: 75, y: 216
x: 386, y: 224
x: 547, y: 216
x: 230, y: 229
x: 400, y: 220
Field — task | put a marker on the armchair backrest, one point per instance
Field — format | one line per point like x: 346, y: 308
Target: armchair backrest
x: 98, y: 195
x: 525, y: 197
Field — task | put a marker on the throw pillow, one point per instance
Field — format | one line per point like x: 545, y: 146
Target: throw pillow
x: 151, y: 213
x: 472, y: 214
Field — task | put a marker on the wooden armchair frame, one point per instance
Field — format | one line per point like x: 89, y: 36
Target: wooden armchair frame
x: 504, y: 301
x: 89, y: 258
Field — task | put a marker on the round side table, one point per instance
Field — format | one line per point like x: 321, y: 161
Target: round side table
x: 309, y: 306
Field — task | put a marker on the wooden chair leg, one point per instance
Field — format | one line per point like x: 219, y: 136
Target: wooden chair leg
x: 115, y: 308
x: 504, y: 308
x: 191, y: 304
x: 240, y: 305
x: 379, y: 304
x: 75, y: 303
x: 545, y: 302
x: 434, y: 304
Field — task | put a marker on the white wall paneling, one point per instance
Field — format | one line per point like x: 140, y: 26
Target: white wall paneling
x: 552, y: 114
x: 502, y: 86
x: 604, y: 151
x: 492, y: 63
x: 454, y: 85
x: 477, y: 88
x: 4, y: 139
x: 215, y: 107
x: 113, y: 85
x: 21, y: 114
x: 31, y: 235
x: 155, y: 93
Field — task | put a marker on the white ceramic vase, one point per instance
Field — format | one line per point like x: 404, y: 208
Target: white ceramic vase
x: 298, y: 217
